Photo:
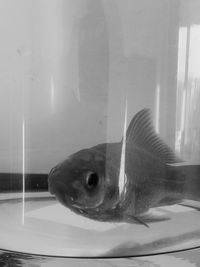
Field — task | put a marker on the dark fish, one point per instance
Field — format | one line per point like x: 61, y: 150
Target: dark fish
x: 88, y: 182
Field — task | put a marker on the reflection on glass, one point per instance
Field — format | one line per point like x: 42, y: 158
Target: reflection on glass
x: 157, y: 108
x: 23, y: 170
x: 188, y: 93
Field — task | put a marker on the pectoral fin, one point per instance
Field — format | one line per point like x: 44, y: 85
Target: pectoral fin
x: 145, y: 218
x: 135, y: 219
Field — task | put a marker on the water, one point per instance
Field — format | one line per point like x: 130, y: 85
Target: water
x: 72, y: 75
x: 49, y: 229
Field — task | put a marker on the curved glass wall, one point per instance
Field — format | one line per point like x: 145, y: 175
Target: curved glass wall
x: 100, y: 128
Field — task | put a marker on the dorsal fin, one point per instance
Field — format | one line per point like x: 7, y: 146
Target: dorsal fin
x: 142, y: 133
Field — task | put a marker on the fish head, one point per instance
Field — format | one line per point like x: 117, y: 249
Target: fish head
x: 79, y: 182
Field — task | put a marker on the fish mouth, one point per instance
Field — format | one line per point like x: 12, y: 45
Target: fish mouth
x: 62, y: 193
x: 60, y: 190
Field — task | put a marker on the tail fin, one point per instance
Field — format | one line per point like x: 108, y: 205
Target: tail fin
x: 191, y: 177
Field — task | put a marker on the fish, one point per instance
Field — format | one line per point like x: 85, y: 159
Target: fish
x: 87, y: 182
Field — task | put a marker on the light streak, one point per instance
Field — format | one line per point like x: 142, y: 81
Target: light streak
x: 157, y: 108
x: 52, y: 94
x: 23, y: 170
x: 122, y: 173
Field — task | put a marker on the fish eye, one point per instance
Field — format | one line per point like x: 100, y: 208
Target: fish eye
x: 92, y: 180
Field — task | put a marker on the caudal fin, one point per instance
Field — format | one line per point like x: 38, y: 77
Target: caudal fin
x: 191, y: 175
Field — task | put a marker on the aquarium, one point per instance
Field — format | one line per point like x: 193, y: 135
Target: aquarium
x: 100, y: 127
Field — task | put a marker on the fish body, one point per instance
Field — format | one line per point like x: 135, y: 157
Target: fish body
x: 88, y: 181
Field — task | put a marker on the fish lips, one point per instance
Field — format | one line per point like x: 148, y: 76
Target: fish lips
x: 61, y: 191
